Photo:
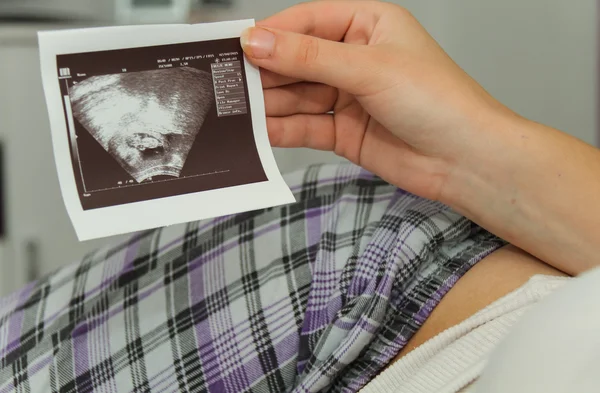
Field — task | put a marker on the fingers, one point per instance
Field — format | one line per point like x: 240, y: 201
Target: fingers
x: 307, y: 98
x: 270, y: 79
x: 311, y: 131
x: 345, y: 66
x: 325, y: 19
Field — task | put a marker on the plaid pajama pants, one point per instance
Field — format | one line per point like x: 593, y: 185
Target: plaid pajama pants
x: 315, y: 296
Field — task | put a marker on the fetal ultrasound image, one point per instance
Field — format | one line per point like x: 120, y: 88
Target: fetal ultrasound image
x: 144, y: 122
x: 148, y: 120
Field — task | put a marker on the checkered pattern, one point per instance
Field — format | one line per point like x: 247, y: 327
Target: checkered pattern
x: 315, y: 296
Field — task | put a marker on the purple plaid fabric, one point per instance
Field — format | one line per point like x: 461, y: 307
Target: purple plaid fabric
x: 315, y: 296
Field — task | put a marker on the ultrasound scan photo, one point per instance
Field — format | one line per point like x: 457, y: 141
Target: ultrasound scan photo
x: 154, y: 126
x: 148, y: 120
x: 154, y: 122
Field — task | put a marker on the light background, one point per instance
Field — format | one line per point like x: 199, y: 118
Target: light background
x: 537, y: 56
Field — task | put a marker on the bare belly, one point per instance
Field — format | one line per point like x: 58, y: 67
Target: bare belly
x: 493, y: 277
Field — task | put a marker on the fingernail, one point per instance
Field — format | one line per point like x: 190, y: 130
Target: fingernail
x: 258, y: 43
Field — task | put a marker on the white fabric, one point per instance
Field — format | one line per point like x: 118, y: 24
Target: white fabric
x: 555, y: 348
x: 452, y: 360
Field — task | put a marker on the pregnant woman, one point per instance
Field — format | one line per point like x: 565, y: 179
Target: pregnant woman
x: 440, y: 259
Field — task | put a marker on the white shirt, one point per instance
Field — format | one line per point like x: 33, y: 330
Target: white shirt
x: 554, y: 348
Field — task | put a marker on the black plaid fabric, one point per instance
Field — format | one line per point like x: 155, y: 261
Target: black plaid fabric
x: 315, y: 296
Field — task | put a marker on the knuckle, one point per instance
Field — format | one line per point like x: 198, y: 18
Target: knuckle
x: 403, y: 12
x: 308, y: 51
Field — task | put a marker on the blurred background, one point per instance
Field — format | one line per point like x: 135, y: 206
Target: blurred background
x: 537, y: 56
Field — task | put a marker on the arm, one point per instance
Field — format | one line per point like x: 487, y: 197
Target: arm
x: 537, y: 188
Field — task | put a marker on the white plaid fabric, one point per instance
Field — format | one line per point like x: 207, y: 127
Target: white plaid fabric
x: 315, y: 296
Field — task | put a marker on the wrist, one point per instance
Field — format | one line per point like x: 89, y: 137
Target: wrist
x: 533, y: 186
x: 484, y: 161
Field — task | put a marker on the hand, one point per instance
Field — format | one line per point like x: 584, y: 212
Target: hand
x: 404, y: 110
x: 401, y: 107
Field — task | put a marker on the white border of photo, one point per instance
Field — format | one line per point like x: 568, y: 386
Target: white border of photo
x: 133, y: 217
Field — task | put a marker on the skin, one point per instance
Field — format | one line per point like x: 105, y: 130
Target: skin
x: 405, y: 111
x: 502, y: 272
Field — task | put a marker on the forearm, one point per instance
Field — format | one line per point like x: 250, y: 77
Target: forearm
x: 535, y: 187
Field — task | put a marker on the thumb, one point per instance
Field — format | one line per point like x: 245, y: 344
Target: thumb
x: 341, y: 65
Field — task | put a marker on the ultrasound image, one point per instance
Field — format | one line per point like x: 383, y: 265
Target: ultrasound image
x: 145, y: 123
x: 148, y: 120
